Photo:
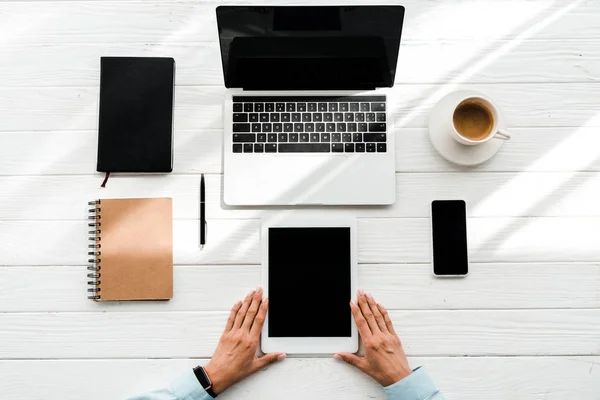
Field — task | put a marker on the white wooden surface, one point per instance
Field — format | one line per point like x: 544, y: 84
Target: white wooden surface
x: 525, y: 324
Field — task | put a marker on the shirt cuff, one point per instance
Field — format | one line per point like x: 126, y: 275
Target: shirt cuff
x: 187, y: 387
x: 416, y: 386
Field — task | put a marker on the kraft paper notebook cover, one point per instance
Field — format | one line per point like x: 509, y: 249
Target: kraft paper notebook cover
x: 132, y: 246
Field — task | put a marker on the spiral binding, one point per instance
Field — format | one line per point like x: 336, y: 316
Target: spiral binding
x: 95, y: 237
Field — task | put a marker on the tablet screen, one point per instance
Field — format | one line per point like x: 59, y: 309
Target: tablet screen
x: 309, y: 282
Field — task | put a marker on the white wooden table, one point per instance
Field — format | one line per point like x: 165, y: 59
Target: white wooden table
x: 525, y: 324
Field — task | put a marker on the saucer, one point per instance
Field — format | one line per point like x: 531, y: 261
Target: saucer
x: 449, y: 148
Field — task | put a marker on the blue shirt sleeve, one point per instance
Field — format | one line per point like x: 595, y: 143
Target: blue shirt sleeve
x: 185, y: 387
x: 416, y: 386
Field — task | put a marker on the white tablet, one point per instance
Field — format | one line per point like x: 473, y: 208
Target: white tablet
x: 309, y: 275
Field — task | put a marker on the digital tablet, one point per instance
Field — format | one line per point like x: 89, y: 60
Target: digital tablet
x: 309, y: 275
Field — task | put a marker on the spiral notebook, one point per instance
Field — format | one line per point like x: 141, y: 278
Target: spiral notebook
x: 132, y: 249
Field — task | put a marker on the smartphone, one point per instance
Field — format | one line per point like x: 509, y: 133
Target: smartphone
x: 449, y: 238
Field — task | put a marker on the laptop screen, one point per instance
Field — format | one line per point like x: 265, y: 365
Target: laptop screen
x: 309, y: 47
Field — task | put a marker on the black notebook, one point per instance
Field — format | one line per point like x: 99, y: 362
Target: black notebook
x: 135, y: 129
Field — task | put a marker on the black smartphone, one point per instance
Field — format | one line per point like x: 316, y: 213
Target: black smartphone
x: 449, y: 237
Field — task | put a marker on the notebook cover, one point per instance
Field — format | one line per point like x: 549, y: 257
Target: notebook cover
x: 136, y: 257
x: 135, y: 127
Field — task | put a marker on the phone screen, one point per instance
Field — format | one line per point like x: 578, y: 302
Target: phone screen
x: 449, y: 226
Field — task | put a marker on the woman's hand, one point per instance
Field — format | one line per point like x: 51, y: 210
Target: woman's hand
x: 235, y: 357
x: 384, y: 358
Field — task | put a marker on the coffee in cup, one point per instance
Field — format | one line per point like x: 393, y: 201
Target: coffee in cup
x: 473, y: 120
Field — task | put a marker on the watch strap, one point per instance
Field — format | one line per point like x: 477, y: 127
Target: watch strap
x: 204, y: 381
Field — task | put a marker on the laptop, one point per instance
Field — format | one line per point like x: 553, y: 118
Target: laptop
x: 307, y: 120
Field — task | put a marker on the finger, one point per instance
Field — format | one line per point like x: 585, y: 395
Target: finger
x: 376, y: 313
x: 351, y: 359
x: 252, y: 310
x: 239, y: 318
x: 366, y: 311
x: 361, y: 323
x: 231, y: 319
x: 386, y: 318
x: 260, y: 318
x: 269, y: 358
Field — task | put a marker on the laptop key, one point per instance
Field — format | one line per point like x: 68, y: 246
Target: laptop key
x: 346, y: 137
x: 244, y: 138
x: 269, y: 107
x: 309, y: 127
x: 381, y: 147
x: 341, y: 127
x: 290, y: 107
x: 237, y: 147
x: 296, y: 117
x: 349, y: 147
x: 259, y: 148
x: 248, y: 147
x: 282, y: 137
x: 274, y: 117
x: 293, y: 137
x: 333, y: 106
x: 272, y: 137
x: 317, y: 117
x: 349, y: 117
x: 264, y: 117
x: 330, y: 127
x: 277, y: 127
x: 256, y: 127
x: 270, y: 148
x: 261, y: 137
x: 305, y: 148
x: 377, y: 127
x: 279, y: 107
x: 351, y: 126
x: 336, y: 137
x: 365, y: 107
x: 343, y: 107
x: 301, y: 107
x: 374, y: 136
x: 359, y: 117
x: 357, y: 137
x: 328, y: 117
x: 370, y: 117
x: 237, y: 107
x: 377, y: 106
x: 312, y: 107
x: 380, y: 117
x: 370, y: 147
x: 306, y: 117
x: 298, y: 127
x: 253, y: 117
x: 354, y: 107
x: 360, y: 147
x: 322, y: 107
x: 267, y: 127
x: 248, y: 107
x: 325, y: 137
x: 320, y: 127
x: 338, y: 117
x: 337, y: 147
x: 240, y: 117
x: 288, y: 127
x: 241, y: 127
x: 314, y: 137
x: 259, y: 107
x: 285, y: 117
x: 304, y: 137
x: 362, y: 127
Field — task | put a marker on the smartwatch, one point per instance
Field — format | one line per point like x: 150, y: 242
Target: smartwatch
x: 204, y: 380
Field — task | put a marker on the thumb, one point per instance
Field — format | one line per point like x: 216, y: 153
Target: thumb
x: 269, y: 358
x: 350, y: 358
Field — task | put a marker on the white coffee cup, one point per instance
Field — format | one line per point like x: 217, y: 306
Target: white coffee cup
x: 467, y: 133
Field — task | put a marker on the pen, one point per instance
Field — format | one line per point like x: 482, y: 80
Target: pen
x: 202, y: 213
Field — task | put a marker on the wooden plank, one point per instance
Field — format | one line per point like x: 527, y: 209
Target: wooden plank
x: 531, y: 149
x: 487, y: 195
x: 199, y: 63
x: 380, y: 240
x: 200, y: 107
x: 189, y: 21
x: 397, y: 286
x: 175, y: 334
x: 518, y: 378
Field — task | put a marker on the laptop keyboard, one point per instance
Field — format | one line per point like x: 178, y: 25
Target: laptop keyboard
x: 312, y: 124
